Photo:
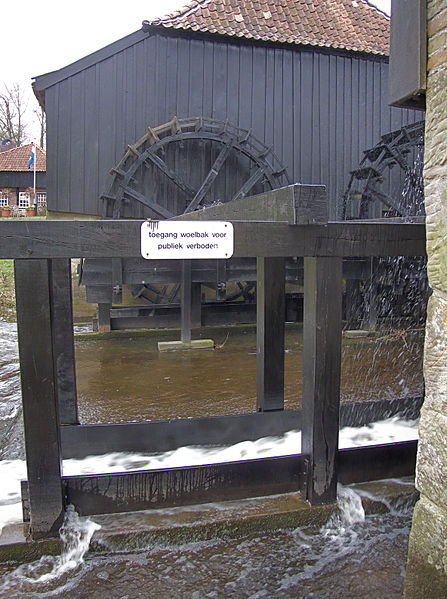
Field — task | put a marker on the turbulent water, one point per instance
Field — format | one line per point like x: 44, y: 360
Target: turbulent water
x: 351, y: 556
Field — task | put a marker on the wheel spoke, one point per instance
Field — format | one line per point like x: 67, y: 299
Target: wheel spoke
x: 173, y: 176
x: 249, y: 184
x: 136, y: 195
x: 209, y: 179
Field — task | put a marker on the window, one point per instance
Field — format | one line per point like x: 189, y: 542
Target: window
x: 4, y: 198
x: 41, y: 198
x: 24, y: 200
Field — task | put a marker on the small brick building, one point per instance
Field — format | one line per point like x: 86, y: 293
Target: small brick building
x: 16, y: 180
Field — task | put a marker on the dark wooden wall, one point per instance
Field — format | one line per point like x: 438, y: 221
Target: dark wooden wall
x: 319, y: 111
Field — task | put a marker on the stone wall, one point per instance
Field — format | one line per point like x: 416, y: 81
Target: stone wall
x: 427, y: 556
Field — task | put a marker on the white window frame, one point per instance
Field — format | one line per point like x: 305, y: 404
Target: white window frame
x: 4, y: 200
x: 41, y: 198
x: 24, y: 199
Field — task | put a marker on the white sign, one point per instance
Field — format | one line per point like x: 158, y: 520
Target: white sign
x: 170, y: 239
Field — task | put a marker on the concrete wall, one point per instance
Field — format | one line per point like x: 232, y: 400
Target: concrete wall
x: 427, y: 557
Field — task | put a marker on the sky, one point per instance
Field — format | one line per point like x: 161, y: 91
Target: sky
x: 40, y: 36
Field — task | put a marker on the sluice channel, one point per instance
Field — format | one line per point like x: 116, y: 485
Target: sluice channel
x: 125, y: 378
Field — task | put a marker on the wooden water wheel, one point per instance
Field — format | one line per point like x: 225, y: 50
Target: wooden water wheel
x: 186, y: 165
x: 388, y: 181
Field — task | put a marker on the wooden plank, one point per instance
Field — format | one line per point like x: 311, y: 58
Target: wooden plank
x: 95, y: 439
x: 149, y: 202
x: 376, y: 462
x: 221, y: 278
x: 121, y: 239
x: 270, y: 333
x: 154, y: 489
x: 321, y: 374
x: 196, y: 305
x: 209, y: 179
x: 293, y: 204
x: 172, y: 175
x: 39, y: 395
x: 185, y: 302
x: 103, y: 313
x: 371, y: 298
x: 62, y: 317
x: 117, y: 281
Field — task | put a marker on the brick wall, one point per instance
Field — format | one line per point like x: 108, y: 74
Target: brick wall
x: 437, y: 33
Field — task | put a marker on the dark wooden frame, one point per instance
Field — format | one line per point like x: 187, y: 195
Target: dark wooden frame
x: 42, y: 251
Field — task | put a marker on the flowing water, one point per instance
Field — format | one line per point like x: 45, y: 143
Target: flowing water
x: 351, y: 557
x: 126, y: 379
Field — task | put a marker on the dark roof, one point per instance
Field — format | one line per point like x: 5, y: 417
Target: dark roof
x: 353, y: 25
x: 17, y: 159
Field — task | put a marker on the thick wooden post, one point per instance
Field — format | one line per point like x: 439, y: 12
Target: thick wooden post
x: 321, y: 375
x: 353, y: 303
x: 39, y: 394
x: 221, y: 286
x: 371, y: 298
x: 186, y: 302
x: 270, y: 333
x: 103, y: 313
x: 196, y: 305
x: 117, y: 281
x: 62, y: 317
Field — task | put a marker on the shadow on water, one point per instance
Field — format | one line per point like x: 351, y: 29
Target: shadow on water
x: 127, y: 379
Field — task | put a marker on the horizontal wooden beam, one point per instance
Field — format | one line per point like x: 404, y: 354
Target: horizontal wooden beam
x: 121, y: 239
x: 295, y: 204
x: 153, y: 489
x: 79, y: 441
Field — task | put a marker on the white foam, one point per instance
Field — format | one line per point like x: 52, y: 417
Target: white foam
x: 12, y: 471
x: 75, y: 534
x: 390, y: 430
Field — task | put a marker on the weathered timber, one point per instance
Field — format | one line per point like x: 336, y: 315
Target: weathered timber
x: 321, y: 374
x: 103, y: 313
x: 182, y: 486
x: 62, y: 318
x: 35, y: 324
x: 209, y: 179
x: 196, y: 305
x: 294, y: 204
x: 186, y: 302
x: 271, y: 305
x: 156, y: 316
x: 121, y: 238
x: 153, y: 489
x: 117, y: 281
x: 375, y: 462
x: 372, y: 297
x: 95, y: 439
x: 98, y: 272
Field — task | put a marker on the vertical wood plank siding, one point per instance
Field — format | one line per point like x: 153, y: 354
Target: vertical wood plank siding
x: 319, y: 111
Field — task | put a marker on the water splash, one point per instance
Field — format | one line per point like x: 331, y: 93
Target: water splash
x: 12, y: 471
x: 75, y: 534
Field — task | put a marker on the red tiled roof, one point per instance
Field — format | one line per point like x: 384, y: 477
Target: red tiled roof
x: 17, y: 159
x: 353, y: 25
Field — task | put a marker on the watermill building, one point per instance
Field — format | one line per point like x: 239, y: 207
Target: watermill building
x: 310, y: 83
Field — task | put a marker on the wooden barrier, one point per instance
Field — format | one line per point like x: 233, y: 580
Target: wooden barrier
x: 49, y: 391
